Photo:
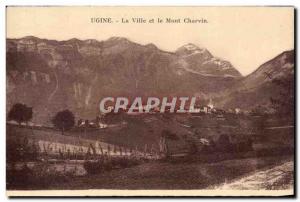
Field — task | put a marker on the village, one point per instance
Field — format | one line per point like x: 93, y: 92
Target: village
x: 114, y: 141
x: 184, y: 105
x: 56, y: 147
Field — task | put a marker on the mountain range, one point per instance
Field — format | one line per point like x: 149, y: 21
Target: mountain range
x: 54, y: 75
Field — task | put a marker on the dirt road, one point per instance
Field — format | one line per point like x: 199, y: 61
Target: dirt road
x: 276, y: 178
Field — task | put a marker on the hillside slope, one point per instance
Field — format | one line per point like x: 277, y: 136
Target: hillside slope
x: 272, y: 80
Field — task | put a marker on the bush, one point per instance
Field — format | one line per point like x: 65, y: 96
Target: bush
x: 94, y: 167
x: 124, y: 163
x: 38, y: 177
x: 101, y: 165
x: 127, y: 162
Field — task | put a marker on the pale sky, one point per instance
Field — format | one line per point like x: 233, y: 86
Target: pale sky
x: 245, y: 36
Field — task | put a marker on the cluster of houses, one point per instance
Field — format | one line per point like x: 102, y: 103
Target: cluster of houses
x: 98, y: 123
x: 202, y: 109
x: 210, y: 109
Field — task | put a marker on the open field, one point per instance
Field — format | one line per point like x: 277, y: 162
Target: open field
x: 273, y: 146
x: 137, y: 131
x: 163, y: 175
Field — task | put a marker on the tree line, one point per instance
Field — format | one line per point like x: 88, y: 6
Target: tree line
x: 63, y: 120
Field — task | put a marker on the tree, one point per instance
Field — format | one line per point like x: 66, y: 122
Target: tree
x: 64, y: 120
x: 20, y: 113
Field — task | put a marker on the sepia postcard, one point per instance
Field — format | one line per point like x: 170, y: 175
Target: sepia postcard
x: 150, y: 101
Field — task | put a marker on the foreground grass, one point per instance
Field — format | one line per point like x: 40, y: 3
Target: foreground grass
x: 163, y: 175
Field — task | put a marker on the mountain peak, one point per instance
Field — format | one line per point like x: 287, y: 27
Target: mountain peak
x: 151, y: 45
x: 119, y: 39
x: 190, y: 49
x: 74, y: 39
x: 190, y: 46
x: 202, y: 61
x: 91, y: 41
x: 29, y: 39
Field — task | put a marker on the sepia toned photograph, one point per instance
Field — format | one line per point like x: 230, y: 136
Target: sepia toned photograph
x: 150, y: 101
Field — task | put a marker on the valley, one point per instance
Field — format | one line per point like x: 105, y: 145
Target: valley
x: 244, y: 126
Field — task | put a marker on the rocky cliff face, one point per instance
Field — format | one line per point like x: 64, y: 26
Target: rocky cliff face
x: 75, y: 74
